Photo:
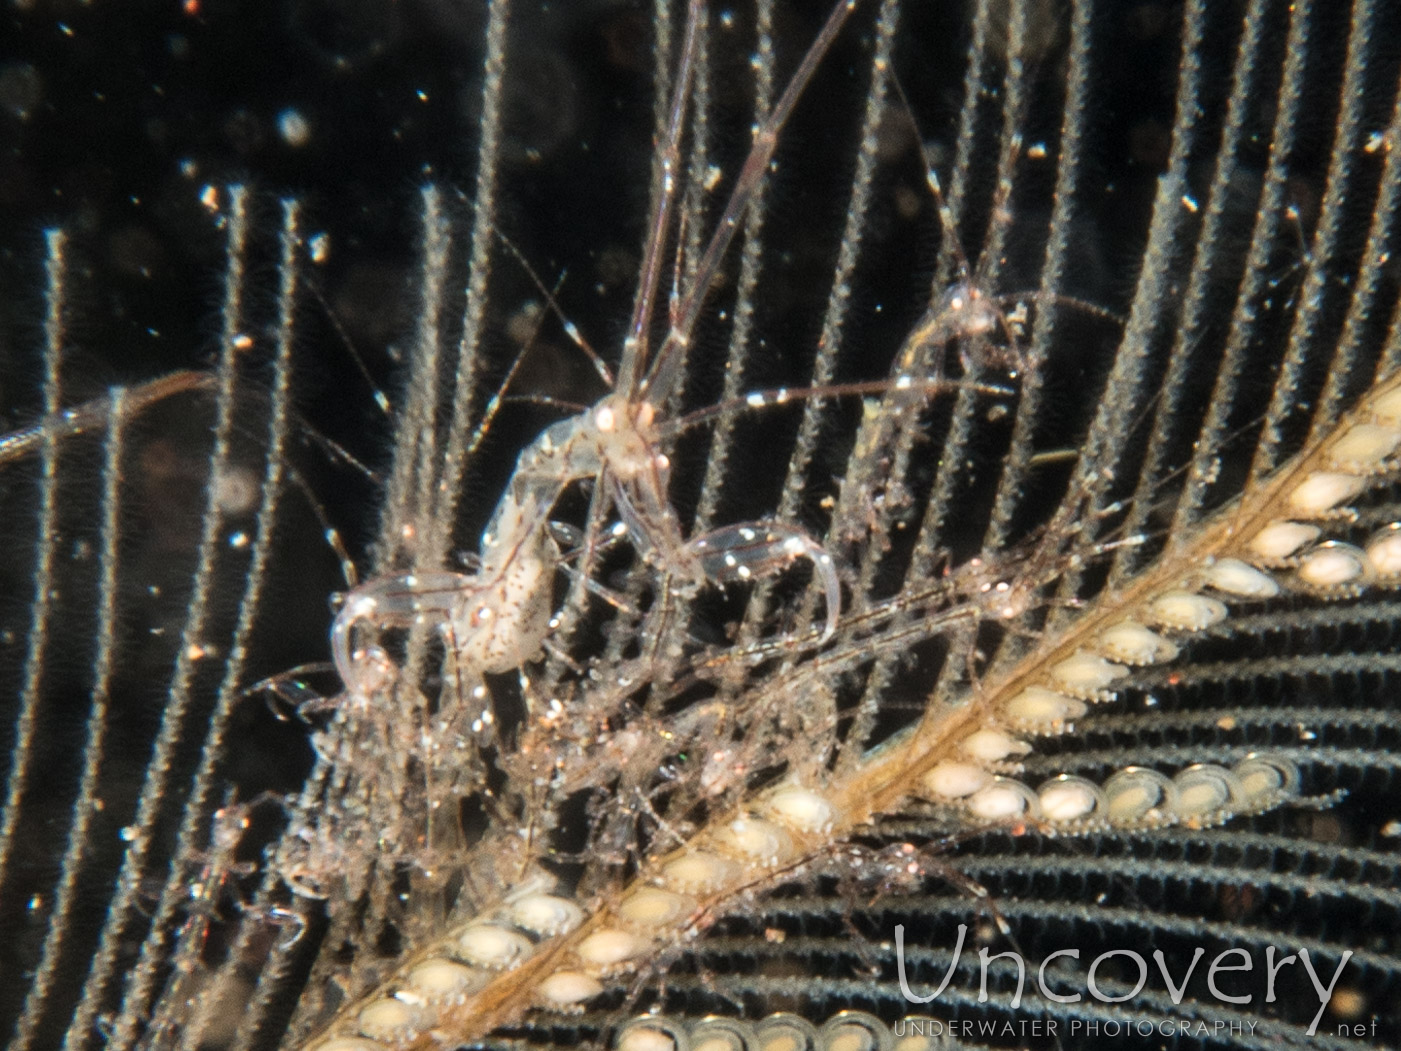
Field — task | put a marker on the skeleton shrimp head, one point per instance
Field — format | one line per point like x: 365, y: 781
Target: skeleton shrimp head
x: 967, y: 315
x: 1000, y: 592
x: 968, y: 311
x: 624, y: 434
x: 495, y: 619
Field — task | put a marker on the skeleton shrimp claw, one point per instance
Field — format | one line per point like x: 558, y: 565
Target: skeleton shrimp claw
x: 738, y: 552
x: 398, y: 599
x: 748, y: 549
x: 495, y: 620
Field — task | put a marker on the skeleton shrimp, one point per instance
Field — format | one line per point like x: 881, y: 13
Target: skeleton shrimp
x: 217, y: 878
x: 498, y: 615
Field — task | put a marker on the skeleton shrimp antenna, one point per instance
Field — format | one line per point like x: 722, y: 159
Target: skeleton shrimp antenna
x: 494, y: 403
x: 376, y: 391
x: 931, y: 177
x: 657, y: 382
x: 633, y: 361
x: 550, y: 297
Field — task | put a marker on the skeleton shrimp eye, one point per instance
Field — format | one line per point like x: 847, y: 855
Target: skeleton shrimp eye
x: 970, y: 312
x: 1007, y: 604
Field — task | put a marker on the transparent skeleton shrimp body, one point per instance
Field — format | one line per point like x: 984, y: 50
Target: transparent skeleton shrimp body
x: 497, y: 617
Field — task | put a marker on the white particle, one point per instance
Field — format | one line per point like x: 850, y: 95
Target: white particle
x: 293, y: 128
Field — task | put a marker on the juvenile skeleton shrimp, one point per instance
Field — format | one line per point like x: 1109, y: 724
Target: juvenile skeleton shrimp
x: 217, y: 878
x: 498, y: 615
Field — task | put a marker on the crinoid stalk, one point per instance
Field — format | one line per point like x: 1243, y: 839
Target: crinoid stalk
x: 959, y: 609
